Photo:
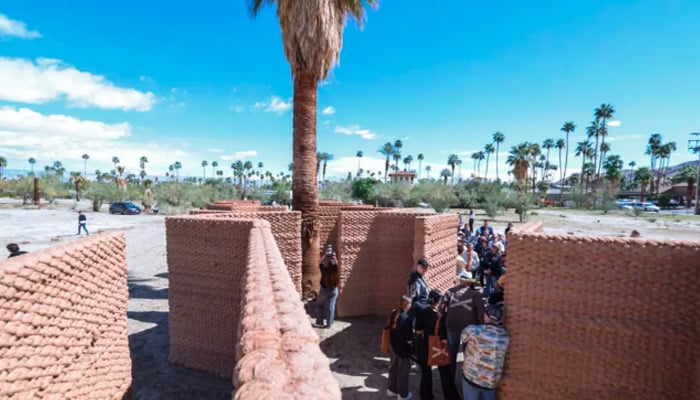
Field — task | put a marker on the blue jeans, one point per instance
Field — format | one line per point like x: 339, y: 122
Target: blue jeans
x: 491, y: 283
x: 83, y: 226
x: 325, y: 306
x: 453, y: 347
x: 471, y: 392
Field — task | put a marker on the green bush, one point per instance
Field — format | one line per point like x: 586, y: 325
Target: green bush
x: 336, y: 191
x: 439, y: 196
x: 664, y: 201
x: 390, y: 195
x: 362, y: 189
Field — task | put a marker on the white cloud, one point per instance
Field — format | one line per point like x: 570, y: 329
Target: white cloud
x: 26, y: 133
x: 9, y: 27
x: 274, y: 104
x: 237, y: 108
x: 181, y: 153
x: 24, y: 81
x: 239, y: 155
x: 614, y: 123
x: 215, y: 150
x: 622, y: 137
x: 356, y: 130
x: 328, y: 111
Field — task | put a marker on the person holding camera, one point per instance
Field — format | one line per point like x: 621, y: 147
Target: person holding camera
x: 328, y: 295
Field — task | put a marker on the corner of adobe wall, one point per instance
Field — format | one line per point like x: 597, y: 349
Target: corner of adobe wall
x: 51, y: 312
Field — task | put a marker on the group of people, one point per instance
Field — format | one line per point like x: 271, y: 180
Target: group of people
x: 468, y: 319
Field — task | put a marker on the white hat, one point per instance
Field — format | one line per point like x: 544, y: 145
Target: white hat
x: 465, y: 276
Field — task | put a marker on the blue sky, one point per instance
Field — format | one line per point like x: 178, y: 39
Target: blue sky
x: 178, y: 82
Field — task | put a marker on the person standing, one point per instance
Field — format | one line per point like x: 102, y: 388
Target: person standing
x: 485, y: 348
x: 493, y: 268
x: 471, y: 220
x: 328, y: 295
x: 417, y: 287
x: 400, y: 349
x: 425, y: 326
x: 14, y: 250
x: 461, y: 306
x: 82, y: 223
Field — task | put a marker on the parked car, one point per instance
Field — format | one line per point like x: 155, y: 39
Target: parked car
x: 124, y: 208
x: 651, y: 207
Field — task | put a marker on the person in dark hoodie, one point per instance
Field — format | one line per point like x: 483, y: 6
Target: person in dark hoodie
x: 425, y: 326
x: 401, y: 348
x: 417, y: 287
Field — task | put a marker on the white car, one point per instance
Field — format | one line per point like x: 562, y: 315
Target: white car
x: 651, y: 207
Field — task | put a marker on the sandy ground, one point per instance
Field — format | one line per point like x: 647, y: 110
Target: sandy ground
x: 352, y: 346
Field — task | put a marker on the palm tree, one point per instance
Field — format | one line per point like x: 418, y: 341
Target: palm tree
x: 214, y: 164
x: 326, y: 157
x: 688, y: 175
x: 498, y: 138
x: 593, y: 130
x: 387, y: 151
x: 664, y: 160
x: 475, y: 157
x: 604, y: 150
x: 488, y: 149
x: 519, y: 159
x: 445, y: 173
x: 120, y: 170
x: 652, y: 150
x: 142, y: 164
x: 548, y: 144
x: 420, y: 163
x: 560, y: 145
x: 603, y: 114
x: 3, y: 165
x: 204, y: 169
x: 312, y: 35
x: 643, y: 176
x: 480, y: 156
x: 115, y: 161
x: 535, y: 152
x: 583, y: 149
x: 247, y: 168
x: 428, y: 169
x: 409, y: 160
x: 567, y: 128
x: 397, y: 157
x: 452, y: 162
x: 177, y: 165
x: 85, y: 158
x: 32, y: 161
x: 359, y: 155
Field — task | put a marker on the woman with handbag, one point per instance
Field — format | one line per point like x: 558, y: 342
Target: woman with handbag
x: 427, y: 324
x: 401, y: 344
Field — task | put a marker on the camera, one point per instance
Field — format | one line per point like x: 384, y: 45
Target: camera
x: 329, y: 250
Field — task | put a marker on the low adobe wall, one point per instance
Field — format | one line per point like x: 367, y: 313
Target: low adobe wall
x: 278, y: 356
x: 378, y: 250
x: 63, y: 323
x: 233, y: 306
x: 286, y: 229
x: 602, y: 318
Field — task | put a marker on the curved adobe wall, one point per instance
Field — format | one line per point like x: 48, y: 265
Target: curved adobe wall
x: 603, y: 318
x: 63, y: 324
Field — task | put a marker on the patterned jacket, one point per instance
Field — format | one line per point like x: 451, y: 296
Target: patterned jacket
x: 485, y: 348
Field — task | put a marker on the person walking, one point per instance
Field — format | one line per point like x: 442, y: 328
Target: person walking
x: 425, y: 326
x: 485, y: 348
x: 417, y: 287
x: 461, y: 306
x: 328, y: 295
x: 400, y: 349
x: 14, y: 250
x: 82, y: 223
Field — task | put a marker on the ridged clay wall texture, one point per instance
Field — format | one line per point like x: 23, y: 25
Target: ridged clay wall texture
x: 286, y: 228
x: 378, y: 250
x: 234, y: 310
x: 63, y: 323
x: 435, y: 239
x: 278, y: 356
x: 602, y: 318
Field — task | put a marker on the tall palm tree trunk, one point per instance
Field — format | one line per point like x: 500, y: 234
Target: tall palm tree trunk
x: 566, y: 165
x: 498, y: 146
x: 304, y: 187
x: 486, y: 173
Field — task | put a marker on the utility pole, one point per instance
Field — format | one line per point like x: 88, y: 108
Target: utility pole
x: 694, y: 147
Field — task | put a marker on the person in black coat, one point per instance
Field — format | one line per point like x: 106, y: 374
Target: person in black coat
x: 401, y: 348
x: 425, y: 326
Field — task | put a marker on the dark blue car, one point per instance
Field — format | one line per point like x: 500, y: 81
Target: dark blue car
x: 124, y: 208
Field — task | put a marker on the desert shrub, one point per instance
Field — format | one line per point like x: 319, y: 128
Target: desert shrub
x: 664, y: 201
x: 283, y: 192
x: 362, y: 189
x: 390, y: 195
x: 652, y: 220
x: 336, y: 191
x: 520, y: 201
x: 439, y: 196
x: 489, y: 196
x: 178, y: 195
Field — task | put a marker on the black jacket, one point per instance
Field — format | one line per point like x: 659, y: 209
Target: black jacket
x: 494, y: 262
x: 401, y: 333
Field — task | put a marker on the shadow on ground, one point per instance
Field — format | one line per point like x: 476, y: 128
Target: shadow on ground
x: 153, y: 377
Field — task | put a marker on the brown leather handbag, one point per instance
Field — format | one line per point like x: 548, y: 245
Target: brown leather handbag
x: 385, y: 335
x: 437, y: 349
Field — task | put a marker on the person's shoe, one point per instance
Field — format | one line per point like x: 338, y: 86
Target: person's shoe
x: 317, y: 325
x: 389, y: 393
x: 409, y: 396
